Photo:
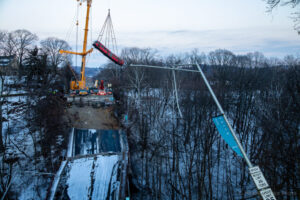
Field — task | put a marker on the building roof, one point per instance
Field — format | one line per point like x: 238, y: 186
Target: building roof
x: 6, y: 60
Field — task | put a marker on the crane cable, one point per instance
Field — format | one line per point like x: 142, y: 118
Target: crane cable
x: 91, y: 34
x: 107, y: 34
x: 77, y: 24
x: 70, y: 30
x: 91, y: 24
x: 75, y: 19
x: 113, y: 36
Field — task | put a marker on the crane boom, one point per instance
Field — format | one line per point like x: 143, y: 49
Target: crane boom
x: 89, y: 2
x: 82, y: 82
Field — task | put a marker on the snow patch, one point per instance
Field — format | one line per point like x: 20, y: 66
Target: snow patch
x: 92, y: 177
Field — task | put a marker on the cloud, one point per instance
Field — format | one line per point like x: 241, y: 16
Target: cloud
x: 272, y: 43
x: 235, y: 40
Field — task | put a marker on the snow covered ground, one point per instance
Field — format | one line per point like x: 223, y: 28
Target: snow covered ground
x: 90, y: 178
x: 89, y: 175
x: 27, y: 182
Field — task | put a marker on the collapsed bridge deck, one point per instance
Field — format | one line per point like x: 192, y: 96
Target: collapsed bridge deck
x: 96, y: 167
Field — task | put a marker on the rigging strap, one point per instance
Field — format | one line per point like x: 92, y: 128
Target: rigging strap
x: 107, y: 40
x: 107, y: 34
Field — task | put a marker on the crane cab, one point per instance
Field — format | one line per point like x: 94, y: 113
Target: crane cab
x: 76, y: 85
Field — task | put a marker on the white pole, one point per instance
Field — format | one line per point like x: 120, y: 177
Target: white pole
x: 266, y: 193
x: 176, y: 93
x: 222, y: 112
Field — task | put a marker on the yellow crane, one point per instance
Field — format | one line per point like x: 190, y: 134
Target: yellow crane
x: 81, y: 84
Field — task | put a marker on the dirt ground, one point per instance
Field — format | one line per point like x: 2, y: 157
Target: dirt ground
x: 88, y: 117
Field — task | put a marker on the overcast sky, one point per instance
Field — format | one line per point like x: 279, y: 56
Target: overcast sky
x: 170, y: 26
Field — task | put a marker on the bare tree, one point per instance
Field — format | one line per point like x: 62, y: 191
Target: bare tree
x: 7, y: 160
x: 19, y: 42
x: 137, y: 55
x: 290, y: 60
x: 8, y: 47
x: 294, y: 4
x: 136, y: 75
x: 257, y: 59
x: 221, y: 57
x: 3, y: 36
x: 51, y: 47
x: 1, y: 116
x: 196, y: 57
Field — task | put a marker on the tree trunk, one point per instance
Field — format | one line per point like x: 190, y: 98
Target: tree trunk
x: 1, y: 137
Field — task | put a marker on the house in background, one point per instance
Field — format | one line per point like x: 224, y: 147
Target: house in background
x: 8, y: 65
